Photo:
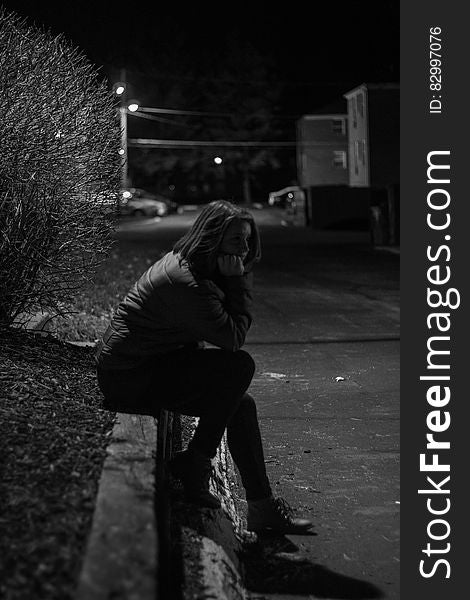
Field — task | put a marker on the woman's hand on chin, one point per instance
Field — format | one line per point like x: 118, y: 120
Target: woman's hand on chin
x: 230, y: 265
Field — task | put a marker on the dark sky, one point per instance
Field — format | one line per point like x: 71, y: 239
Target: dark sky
x: 316, y: 54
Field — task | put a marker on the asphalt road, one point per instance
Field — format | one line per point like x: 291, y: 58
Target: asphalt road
x: 326, y: 342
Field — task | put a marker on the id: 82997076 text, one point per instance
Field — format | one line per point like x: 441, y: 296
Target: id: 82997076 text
x: 435, y: 70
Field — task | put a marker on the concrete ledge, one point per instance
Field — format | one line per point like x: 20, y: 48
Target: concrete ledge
x: 124, y: 559
x: 215, y: 537
x: 122, y: 551
x: 221, y: 570
x: 220, y: 576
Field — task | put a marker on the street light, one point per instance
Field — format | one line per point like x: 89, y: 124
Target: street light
x: 129, y: 106
x: 218, y: 160
x: 120, y: 89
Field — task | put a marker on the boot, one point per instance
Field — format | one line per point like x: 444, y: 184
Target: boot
x: 274, y: 514
x: 194, y: 470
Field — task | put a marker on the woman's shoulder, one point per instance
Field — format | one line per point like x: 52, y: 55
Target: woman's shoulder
x: 171, y: 269
x: 181, y: 274
x: 175, y: 271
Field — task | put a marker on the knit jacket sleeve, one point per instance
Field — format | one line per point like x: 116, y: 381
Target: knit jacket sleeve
x: 221, y: 315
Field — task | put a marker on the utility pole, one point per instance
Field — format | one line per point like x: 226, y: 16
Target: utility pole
x: 123, y: 115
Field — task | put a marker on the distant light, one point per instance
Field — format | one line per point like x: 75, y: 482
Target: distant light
x: 119, y: 91
x: 126, y: 195
x: 121, y: 151
x: 218, y: 160
x: 133, y: 107
x: 290, y: 195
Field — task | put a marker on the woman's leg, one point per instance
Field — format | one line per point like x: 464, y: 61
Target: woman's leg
x: 210, y: 385
x: 206, y: 383
x: 246, y: 448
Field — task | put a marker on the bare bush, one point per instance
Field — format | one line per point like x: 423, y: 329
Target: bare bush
x: 59, y: 169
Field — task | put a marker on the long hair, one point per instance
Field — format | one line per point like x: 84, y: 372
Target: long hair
x: 200, y: 245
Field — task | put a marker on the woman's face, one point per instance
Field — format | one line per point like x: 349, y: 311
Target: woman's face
x: 235, y: 239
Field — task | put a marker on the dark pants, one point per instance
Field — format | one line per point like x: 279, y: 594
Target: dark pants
x: 207, y: 383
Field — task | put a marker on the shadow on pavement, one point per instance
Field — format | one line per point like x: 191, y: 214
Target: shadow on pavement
x: 273, y: 565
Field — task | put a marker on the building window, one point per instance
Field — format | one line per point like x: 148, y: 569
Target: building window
x: 337, y: 125
x: 360, y: 105
x: 361, y: 151
x: 354, y: 111
x: 356, y: 157
x: 339, y: 159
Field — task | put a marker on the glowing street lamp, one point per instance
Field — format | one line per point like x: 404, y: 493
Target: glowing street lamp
x: 120, y: 89
x: 218, y: 160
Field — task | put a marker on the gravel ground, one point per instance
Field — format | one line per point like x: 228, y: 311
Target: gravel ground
x: 53, y: 439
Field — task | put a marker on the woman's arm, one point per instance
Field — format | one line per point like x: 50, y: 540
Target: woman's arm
x: 221, y: 315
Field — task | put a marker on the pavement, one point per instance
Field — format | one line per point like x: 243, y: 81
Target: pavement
x: 326, y: 342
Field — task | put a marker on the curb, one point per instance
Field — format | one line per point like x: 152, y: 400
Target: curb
x: 215, y: 538
x: 122, y: 551
x: 124, y: 558
x: 222, y: 572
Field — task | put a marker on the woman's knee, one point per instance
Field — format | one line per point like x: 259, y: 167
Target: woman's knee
x: 246, y: 363
x: 231, y: 370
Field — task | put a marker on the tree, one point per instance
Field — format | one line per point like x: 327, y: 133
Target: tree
x: 244, y: 88
x: 59, y: 168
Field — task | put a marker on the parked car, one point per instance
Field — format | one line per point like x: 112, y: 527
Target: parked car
x: 286, y: 197
x: 137, y: 202
x: 173, y: 207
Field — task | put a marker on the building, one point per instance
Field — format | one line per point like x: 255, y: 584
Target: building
x: 323, y: 170
x: 374, y: 135
x: 374, y: 154
x: 348, y: 162
x: 322, y: 147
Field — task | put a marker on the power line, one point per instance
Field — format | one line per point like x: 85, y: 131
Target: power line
x: 160, y: 119
x: 153, y: 143
x: 156, y: 143
x: 199, y: 113
x: 171, y: 111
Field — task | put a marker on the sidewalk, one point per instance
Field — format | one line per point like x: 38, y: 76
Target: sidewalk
x: 326, y: 344
x: 329, y: 420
